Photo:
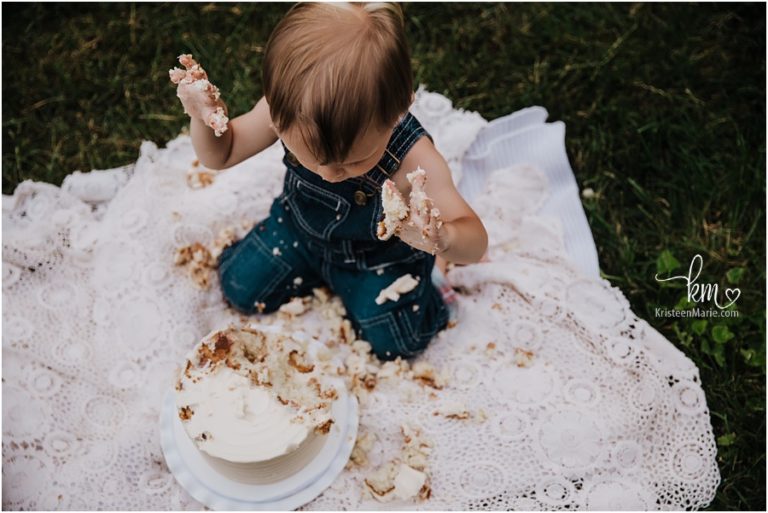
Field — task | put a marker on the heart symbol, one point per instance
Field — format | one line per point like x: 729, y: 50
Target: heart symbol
x: 736, y: 293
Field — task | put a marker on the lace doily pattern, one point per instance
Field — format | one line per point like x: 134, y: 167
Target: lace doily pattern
x: 572, y: 401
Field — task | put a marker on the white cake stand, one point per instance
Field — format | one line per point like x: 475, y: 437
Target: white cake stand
x: 224, y: 486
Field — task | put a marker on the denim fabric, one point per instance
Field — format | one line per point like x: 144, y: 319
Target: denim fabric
x: 325, y: 233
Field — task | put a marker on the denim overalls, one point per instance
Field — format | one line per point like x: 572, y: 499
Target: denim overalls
x: 320, y: 233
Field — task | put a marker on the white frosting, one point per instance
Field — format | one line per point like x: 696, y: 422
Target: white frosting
x: 249, y: 395
x: 201, y: 84
x: 418, y: 197
x: 402, y: 285
x: 417, y: 179
x: 218, y: 121
x: 408, y: 482
x: 395, y: 210
x: 242, y: 422
x: 295, y: 306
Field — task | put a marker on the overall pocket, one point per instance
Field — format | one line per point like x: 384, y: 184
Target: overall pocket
x: 249, y: 272
x: 397, y: 252
x: 316, y: 211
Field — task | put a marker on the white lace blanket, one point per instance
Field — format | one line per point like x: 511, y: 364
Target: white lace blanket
x: 575, y: 403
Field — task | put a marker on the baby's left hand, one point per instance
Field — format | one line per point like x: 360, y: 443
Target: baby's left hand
x: 422, y: 228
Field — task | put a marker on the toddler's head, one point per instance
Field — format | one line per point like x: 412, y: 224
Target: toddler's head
x: 337, y: 77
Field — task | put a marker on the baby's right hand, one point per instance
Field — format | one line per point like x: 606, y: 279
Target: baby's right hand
x: 198, y: 96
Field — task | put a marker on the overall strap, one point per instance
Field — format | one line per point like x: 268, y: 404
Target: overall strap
x: 405, y: 135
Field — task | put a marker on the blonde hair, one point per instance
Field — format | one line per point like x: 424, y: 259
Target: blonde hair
x: 335, y: 69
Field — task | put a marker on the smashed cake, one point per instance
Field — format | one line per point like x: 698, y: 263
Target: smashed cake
x: 247, y: 395
x: 394, y: 290
x: 395, y: 211
x: 419, y: 213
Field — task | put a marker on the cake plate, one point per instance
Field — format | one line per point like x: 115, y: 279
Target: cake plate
x: 283, y: 483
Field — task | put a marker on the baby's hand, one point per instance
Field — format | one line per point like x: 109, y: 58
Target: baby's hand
x: 198, y: 96
x: 421, y: 226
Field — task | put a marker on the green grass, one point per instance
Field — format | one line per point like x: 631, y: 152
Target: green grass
x: 664, y: 106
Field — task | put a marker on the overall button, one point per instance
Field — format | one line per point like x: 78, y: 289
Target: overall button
x: 292, y: 158
x: 360, y: 198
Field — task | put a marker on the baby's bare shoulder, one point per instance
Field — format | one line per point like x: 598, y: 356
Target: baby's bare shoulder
x: 421, y: 150
x: 423, y: 154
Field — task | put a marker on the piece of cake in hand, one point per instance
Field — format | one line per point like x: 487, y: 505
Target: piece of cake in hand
x: 422, y: 211
x: 210, y: 108
x: 418, y: 223
x: 395, y: 210
x: 218, y: 121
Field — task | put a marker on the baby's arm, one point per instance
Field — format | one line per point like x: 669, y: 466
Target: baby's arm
x: 462, y: 236
x: 219, y: 143
x: 249, y: 134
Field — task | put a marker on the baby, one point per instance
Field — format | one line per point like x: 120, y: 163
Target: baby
x: 337, y: 87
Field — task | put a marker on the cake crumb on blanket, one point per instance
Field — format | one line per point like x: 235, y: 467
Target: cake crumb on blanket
x: 453, y: 410
x: 361, y: 369
x: 402, y: 285
x: 296, y: 306
x: 397, y: 368
x: 381, y: 483
x: 199, y: 179
x: 185, y: 413
x: 427, y: 375
x: 523, y: 358
x: 347, y: 332
x: 226, y: 238
x: 407, y: 476
x: 409, y: 482
x: 198, y: 261
x: 363, y: 445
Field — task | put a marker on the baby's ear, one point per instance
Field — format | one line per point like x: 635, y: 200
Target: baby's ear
x: 413, y: 97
